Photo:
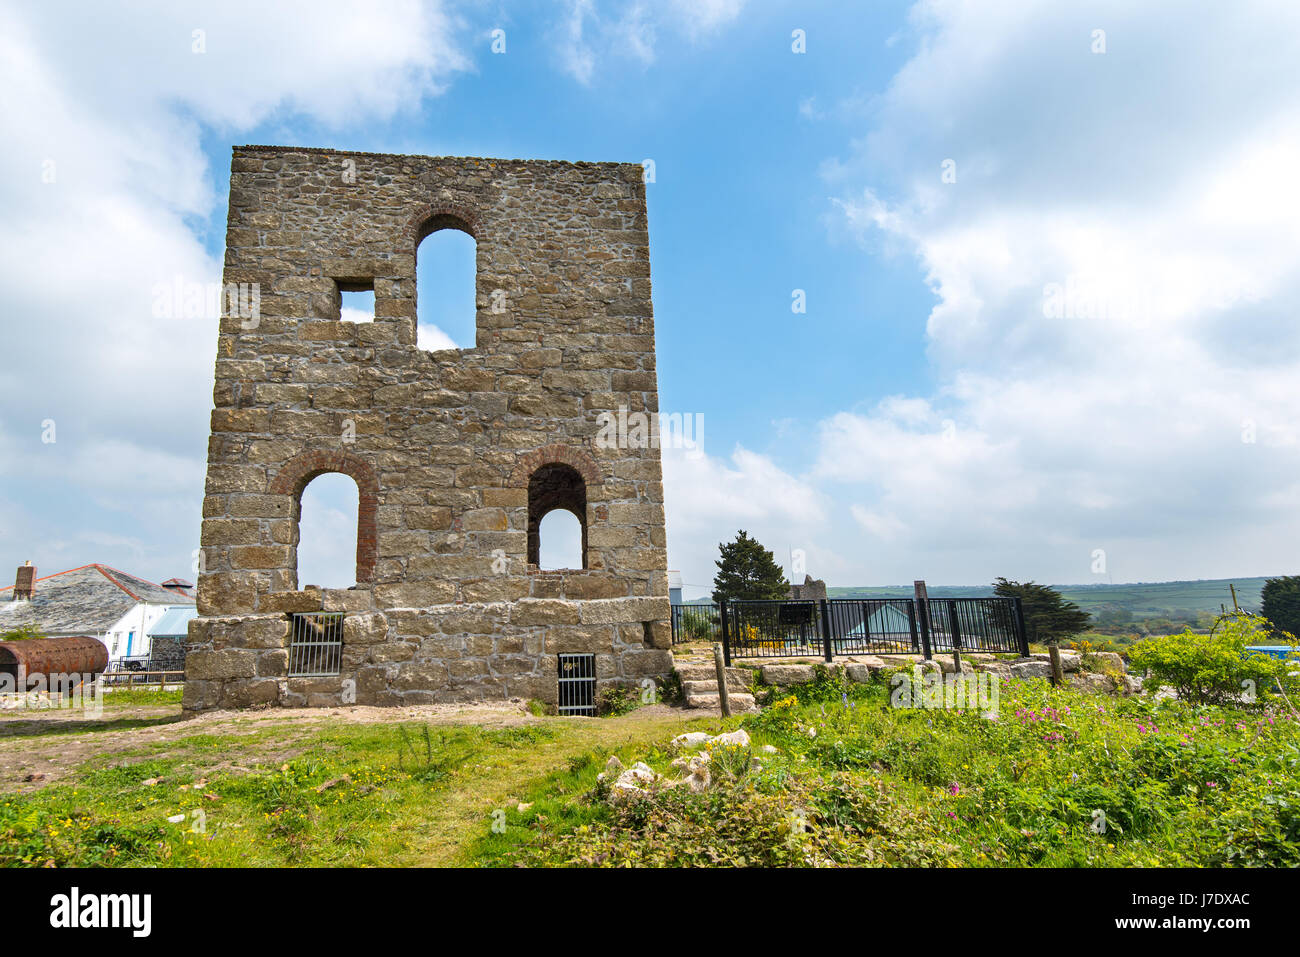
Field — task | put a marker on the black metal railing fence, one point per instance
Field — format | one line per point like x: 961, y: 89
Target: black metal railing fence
x: 697, y: 622
x: 854, y: 626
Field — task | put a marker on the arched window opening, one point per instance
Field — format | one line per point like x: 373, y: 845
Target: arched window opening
x: 327, y: 532
x: 559, y: 540
x: 557, y: 487
x: 446, y: 273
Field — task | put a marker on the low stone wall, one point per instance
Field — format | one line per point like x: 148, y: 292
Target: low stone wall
x: 167, y: 654
x: 861, y: 667
x: 404, y: 656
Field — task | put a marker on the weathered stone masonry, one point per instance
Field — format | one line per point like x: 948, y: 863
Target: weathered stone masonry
x: 444, y: 446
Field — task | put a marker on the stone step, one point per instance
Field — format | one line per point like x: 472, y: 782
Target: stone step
x: 711, y: 687
x: 738, y: 702
x: 701, y: 671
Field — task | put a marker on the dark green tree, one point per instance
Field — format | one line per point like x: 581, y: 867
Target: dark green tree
x: 1048, y: 616
x: 1281, y: 603
x: 747, y: 571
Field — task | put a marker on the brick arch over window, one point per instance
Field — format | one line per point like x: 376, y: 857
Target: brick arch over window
x: 556, y: 476
x: 301, y: 469
x: 555, y: 486
x: 429, y: 219
x: 426, y: 221
x: 530, y: 462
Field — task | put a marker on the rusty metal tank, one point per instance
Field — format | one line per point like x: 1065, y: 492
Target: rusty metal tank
x: 35, y: 657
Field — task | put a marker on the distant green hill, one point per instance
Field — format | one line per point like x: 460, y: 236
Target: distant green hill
x: 1140, y: 600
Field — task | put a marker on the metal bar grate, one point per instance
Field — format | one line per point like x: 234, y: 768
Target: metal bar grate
x: 577, y: 684
x: 316, y: 644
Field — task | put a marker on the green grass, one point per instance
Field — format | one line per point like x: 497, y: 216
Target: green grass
x: 1173, y: 785
x: 398, y: 793
x: 141, y: 697
x: 854, y: 781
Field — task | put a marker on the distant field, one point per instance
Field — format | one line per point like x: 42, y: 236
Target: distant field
x: 1148, y: 600
x: 1141, y: 600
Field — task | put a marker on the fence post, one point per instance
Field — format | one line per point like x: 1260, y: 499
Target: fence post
x: 956, y: 634
x: 827, y: 647
x: 726, y: 636
x: 1020, y: 627
x: 724, y: 702
x: 911, y: 624
x: 923, y: 613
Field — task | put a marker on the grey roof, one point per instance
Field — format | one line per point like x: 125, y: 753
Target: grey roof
x: 82, y: 601
x: 885, y: 621
x: 174, y: 622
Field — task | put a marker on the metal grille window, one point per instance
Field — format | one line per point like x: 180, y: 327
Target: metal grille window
x: 578, y: 684
x: 316, y: 645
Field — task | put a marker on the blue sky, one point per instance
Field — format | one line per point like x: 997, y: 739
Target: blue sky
x: 925, y: 417
x: 738, y: 209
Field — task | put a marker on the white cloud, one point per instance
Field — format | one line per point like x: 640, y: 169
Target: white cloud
x: 589, y: 35
x: 702, y: 16
x: 349, y: 314
x: 1145, y: 199
x: 709, y: 499
x: 576, y: 56
x: 431, y: 338
x: 1149, y: 192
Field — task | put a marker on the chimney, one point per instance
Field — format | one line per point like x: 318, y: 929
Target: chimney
x: 25, y: 583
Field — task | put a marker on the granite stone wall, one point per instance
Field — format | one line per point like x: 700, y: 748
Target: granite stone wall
x: 443, y: 445
x: 167, y: 653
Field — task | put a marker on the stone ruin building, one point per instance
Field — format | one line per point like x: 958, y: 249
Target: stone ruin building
x: 812, y: 589
x: 457, y: 454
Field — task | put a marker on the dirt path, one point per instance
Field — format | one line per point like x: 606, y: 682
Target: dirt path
x: 459, y: 815
x: 41, y: 747
x: 44, y: 747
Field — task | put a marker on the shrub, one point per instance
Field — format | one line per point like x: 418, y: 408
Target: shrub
x: 670, y: 688
x: 1060, y: 778
x: 22, y: 633
x: 1215, y: 668
x: 778, y: 717
x: 850, y: 819
x: 698, y: 625
x: 616, y: 700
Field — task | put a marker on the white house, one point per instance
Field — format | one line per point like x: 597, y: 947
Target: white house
x: 94, y: 600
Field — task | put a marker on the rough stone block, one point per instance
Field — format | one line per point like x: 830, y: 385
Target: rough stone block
x: 614, y: 610
x: 220, y: 665
x: 786, y: 675
x: 544, y: 611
